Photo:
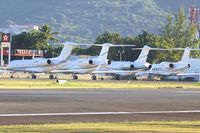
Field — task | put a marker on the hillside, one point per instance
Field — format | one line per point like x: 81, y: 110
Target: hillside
x: 174, y: 5
x: 83, y: 20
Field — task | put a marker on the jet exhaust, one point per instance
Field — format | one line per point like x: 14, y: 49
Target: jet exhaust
x: 48, y: 61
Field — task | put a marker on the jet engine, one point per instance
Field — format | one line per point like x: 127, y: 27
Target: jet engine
x: 49, y: 61
x: 94, y: 62
x: 90, y: 62
x: 132, y: 66
x: 171, y: 65
x: 98, y: 62
x: 149, y: 67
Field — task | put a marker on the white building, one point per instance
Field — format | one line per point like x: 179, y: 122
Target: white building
x: 17, y: 29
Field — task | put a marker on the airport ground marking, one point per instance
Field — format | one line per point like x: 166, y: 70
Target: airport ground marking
x: 99, y: 113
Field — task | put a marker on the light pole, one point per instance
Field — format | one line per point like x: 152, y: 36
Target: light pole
x: 44, y: 52
x: 120, y: 54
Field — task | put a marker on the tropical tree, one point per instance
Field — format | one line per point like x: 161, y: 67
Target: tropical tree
x: 177, y: 34
x: 37, y: 39
x: 43, y: 37
x: 23, y: 41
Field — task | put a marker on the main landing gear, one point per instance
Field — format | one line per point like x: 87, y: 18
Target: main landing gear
x: 12, y: 76
x: 33, y: 76
x: 94, y: 77
x: 134, y: 78
x: 117, y: 77
x: 51, y: 76
x: 75, y: 77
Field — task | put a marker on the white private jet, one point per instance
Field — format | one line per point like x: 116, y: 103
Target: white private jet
x: 87, y: 66
x: 40, y: 65
x: 82, y: 66
x: 125, y: 68
x: 169, y: 68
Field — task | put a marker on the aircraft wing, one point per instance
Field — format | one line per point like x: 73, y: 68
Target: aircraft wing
x: 189, y: 74
x: 62, y: 71
x: 152, y: 73
x: 30, y: 70
x: 116, y: 72
x: 73, y: 70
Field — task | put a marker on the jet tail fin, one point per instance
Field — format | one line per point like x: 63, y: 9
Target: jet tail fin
x: 143, y: 55
x: 65, y: 53
x: 186, y: 55
x: 104, y: 52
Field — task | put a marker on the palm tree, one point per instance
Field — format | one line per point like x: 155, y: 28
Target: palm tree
x: 48, y: 34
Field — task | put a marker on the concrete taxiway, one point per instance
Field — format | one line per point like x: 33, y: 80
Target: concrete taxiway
x: 97, y: 105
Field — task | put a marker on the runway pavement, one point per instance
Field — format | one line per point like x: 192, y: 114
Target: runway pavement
x: 96, y: 105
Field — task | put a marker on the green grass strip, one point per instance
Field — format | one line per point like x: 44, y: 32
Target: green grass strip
x: 124, y: 127
x: 87, y: 84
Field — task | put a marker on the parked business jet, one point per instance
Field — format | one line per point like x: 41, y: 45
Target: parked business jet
x: 125, y: 68
x: 81, y: 66
x: 87, y: 66
x: 39, y: 65
x: 169, y: 68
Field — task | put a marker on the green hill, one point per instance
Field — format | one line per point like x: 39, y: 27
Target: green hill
x: 174, y: 5
x: 83, y: 20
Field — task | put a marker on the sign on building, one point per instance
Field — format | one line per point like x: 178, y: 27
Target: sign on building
x: 5, y: 39
x: 25, y: 52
